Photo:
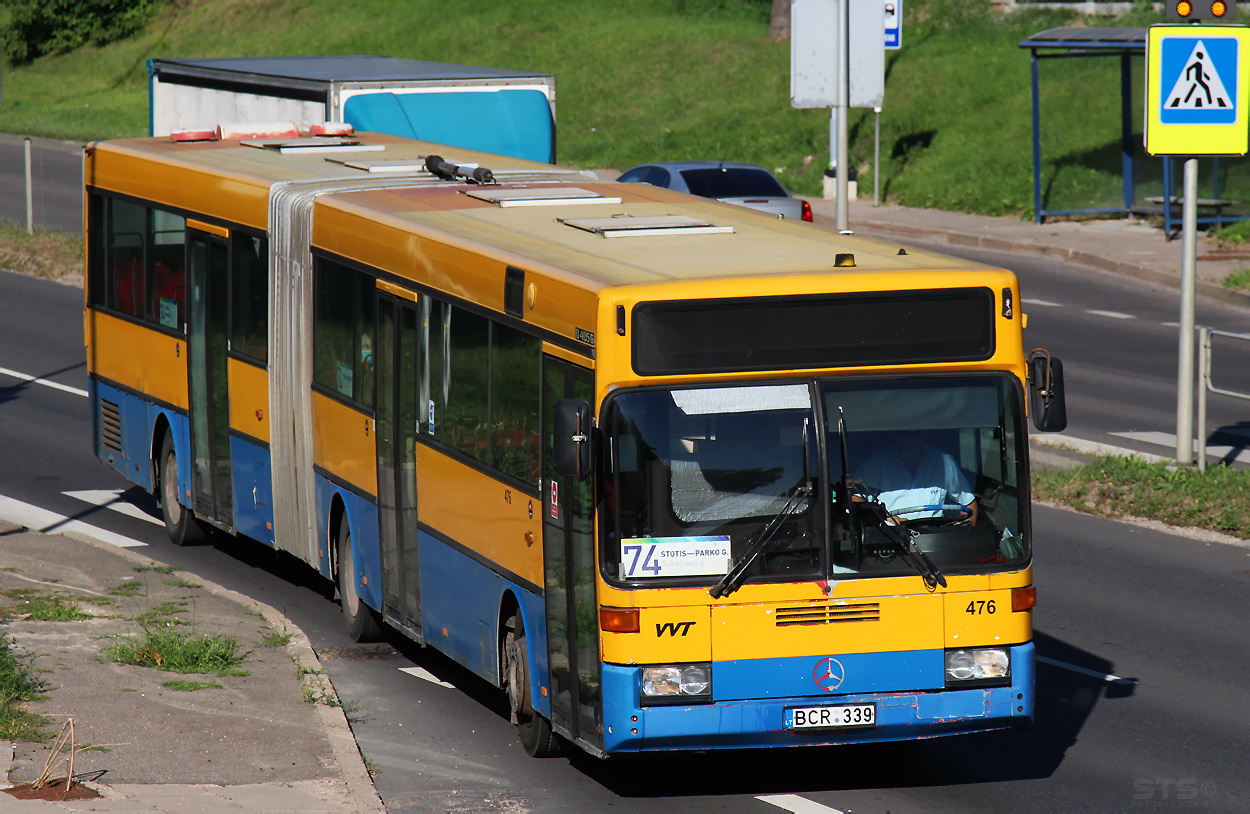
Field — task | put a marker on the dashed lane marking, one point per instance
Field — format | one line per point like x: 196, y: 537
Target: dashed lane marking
x: 112, y: 499
x: 425, y: 675
x: 26, y: 377
x: 1111, y: 314
x: 797, y: 804
x: 1085, y: 671
x: 42, y: 520
x: 1045, y: 303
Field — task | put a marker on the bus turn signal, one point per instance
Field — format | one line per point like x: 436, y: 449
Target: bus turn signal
x: 1023, y: 599
x: 619, y: 620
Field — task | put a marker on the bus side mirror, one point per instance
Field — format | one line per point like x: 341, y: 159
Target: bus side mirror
x: 1046, y: 397
x: 571, y: 448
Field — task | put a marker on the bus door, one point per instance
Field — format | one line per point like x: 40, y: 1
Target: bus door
x: 209, y: 402
x: 397, y: 458
x: 569, y: 566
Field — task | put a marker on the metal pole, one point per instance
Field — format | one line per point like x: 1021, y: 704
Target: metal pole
x: 1037, y: 148
x: 876, y: 158
x: 843, y: 107
x: 30, y: 198
x: 1189, y: 274
x: 1204, y: 378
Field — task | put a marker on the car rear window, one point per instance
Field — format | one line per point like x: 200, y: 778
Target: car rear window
x: 733, y: 182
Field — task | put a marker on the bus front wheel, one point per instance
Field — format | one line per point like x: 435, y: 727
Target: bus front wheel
x: 362, y: 622
x: 534, y: 729
x: 180, y: 523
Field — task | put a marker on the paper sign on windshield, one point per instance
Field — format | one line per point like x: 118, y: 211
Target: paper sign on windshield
x: 650, y: 557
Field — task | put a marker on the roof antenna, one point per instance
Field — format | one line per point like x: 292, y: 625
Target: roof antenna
x: 436, y: 166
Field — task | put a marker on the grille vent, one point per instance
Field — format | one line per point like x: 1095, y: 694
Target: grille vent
x: 828, y: 614
x: 110, y: 425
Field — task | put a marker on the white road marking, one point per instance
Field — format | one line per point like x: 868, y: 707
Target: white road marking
x: 112, y: 499
x: 425, y: 675
x: 1168, y: 439
x: 1086, y: 671
x: 1112, y: 314
x: 797, y: 804
x: 42, y: 520
x: 1046, y: 303
x: 54, y: 385
x: 1170, y: 324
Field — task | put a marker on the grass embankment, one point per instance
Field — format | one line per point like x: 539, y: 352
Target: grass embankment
x: 1218, y: 499
x: 643, y: 80
x: 51, y: 255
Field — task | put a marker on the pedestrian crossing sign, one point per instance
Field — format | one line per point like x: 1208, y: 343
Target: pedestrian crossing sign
x: 1196, y: 90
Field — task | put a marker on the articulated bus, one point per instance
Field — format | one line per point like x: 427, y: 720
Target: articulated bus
x: 629, y: 455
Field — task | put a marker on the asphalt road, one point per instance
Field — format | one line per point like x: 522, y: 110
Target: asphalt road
x: 56, y: 182
x: 1159, y: 611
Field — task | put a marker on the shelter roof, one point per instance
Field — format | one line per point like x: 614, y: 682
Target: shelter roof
x: 1080, y: 38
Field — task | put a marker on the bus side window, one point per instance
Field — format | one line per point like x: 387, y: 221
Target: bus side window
x: 249, y: 308
x: 343, y: 331
x: 126, y: 268
x: 167, y: 256
x: 515, y: 394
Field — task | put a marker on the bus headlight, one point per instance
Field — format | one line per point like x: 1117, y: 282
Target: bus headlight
x: 983, y: 665
x: 677, y: 684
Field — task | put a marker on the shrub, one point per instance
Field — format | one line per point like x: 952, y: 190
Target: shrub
x: 38, y: 27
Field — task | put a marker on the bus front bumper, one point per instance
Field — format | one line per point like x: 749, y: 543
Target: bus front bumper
x: 755, y: 723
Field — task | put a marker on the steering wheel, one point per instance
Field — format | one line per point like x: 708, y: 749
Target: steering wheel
x: 952, y: 514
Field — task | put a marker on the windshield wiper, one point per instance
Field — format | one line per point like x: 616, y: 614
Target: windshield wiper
x: 876, y: 510
x: 733, y: 580
x: 905, y: 539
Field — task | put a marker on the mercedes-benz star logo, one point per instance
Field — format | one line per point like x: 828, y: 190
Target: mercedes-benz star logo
x: 829, y: 674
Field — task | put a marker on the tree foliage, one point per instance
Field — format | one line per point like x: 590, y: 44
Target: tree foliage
x: 38, y: 27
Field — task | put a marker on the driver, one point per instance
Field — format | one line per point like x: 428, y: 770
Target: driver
x: 909, y: 473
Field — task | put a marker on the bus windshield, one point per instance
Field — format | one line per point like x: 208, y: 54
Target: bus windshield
x: 696, y: 476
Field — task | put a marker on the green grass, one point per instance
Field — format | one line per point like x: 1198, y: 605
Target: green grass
x: 179, y: 651
x: 182, y: 583
x: 181, y: 685
x: 643, y: 80
x: 1238, y: 278
x: 1218, y: 499
x: 17, y: 687
x: 159, y: 569
x: 51, y: 255
x: 40, y: 606
x: 162, y: 614
x: 276, y: 639
x: 131, y: 587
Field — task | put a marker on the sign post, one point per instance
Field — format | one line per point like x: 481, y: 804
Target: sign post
x: 1196, y: 97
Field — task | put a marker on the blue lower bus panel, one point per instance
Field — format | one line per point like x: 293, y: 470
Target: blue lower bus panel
x: 761, y: 722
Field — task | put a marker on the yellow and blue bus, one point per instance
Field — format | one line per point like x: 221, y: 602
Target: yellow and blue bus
x: 671, y: 473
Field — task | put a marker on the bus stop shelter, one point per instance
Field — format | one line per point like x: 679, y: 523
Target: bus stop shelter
x: 1122, y: 43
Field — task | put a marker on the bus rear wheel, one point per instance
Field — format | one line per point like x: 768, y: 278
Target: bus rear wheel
x: 362, y: 621
x: 534, y: 729
x: 180, y: 523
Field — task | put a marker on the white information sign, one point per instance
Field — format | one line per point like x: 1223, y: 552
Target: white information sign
x: 813, y: 63
x: 651, y: 557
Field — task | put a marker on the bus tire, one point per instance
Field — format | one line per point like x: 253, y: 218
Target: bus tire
x: 533, y: 728
x: 180, y: 522
x: 362, y: 621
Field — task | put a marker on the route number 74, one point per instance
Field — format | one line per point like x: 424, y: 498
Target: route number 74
x: 650, y: 563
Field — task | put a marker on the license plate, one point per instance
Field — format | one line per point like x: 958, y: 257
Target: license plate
x: 830, y: 717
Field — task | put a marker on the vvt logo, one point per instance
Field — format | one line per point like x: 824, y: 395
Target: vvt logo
x: 671, y: 628
x: 829, y: 674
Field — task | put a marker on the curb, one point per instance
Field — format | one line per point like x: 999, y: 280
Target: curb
x: 954, y: 238
x: 345, y: 753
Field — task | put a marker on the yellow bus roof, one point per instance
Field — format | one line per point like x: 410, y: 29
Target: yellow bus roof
x: 230, y: 180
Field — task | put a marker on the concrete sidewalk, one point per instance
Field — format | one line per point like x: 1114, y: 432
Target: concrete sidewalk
x: 270, y: 738
x: 1129, y: 247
